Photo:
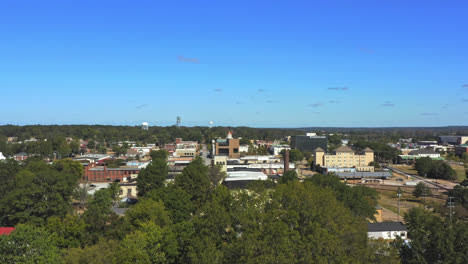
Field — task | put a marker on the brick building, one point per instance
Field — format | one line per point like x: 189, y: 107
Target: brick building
x: 227, y: 147
x: 95, y: 173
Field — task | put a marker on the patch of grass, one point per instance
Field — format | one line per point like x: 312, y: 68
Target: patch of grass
x: 407, y: 169
x: 460, y: 170
x: 389, y: 200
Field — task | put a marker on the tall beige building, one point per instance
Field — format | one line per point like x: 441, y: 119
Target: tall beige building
x: 345, y: 157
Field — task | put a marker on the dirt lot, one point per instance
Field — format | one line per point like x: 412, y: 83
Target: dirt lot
x: 388, y: 200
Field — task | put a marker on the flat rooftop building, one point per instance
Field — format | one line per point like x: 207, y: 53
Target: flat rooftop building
x: 227, y: 147
x: 309, y: 143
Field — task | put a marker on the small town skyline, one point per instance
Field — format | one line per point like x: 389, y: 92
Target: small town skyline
x: 320, y: 64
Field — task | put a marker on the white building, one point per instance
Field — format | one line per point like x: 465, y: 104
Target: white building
x: 259, y: 159
x: 2, y: 157
x: 243, y: 148
x: 276, y: 149
x: 246, y: 176
x: 387, y: 230
x: 420, y: 153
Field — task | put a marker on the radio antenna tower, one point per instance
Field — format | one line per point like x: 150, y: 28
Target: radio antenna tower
x: 179, y: 119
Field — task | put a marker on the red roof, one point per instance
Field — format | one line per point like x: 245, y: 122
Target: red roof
x: 6, y: 230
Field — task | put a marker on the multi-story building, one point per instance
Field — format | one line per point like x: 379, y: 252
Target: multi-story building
x: 227, y: 147
x: 345, y: 157
x: 276, y: 149
x: 453, y: 140
x: 309, y: 142
x: 459, y: 150
x: 186, y: 144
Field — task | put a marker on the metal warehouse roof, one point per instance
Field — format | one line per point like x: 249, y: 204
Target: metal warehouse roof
x: 384, y: 174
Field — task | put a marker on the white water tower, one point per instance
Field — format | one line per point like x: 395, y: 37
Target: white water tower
x: 144, y: 125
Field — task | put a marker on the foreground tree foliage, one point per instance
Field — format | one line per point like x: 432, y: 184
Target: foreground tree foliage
x: 153, y: 176
x: 29, y: 244
x: 36, y: 193
x: 193, y: 220
x: 359, y: 199
x: 434, y: 240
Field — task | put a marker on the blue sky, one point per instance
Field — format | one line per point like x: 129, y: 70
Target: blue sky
x: 253, y: 63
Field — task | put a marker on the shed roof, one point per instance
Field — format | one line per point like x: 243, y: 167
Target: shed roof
x: 6, y: 230
x: 386, y: 226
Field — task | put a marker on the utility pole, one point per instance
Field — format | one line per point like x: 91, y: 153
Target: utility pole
x: 399, y: 195
x: 450, y: 205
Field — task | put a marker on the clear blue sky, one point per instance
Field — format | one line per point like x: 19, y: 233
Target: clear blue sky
x: 253, y: 63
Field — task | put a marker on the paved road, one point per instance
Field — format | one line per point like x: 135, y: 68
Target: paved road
x: 204, y: 154
x: 437, y: 185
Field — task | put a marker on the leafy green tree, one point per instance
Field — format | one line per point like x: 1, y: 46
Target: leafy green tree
x: 81, y: 194
x: 29, y: 244
x: 460, y: 195
x: 75, y: 146
x: 148, y: 210
x: 212, y: 228
x: 433, y: 241
x: 177, y: 202
x: 67, y: 232
x: 64, y: 149
x: 114, y: 189
x: 102, y: 149
x: 149, y: 244
x: 442, y: 170
x: 288, y: 176
x: 194, y: 180
x: 159, y: 154
x: 216, y: 175
x: 380, y: 251
x: 69, y: 166
x: 103, y: 252
x: 98, y: 215
x: 360, y: 200
x: 8, y: 169
x: 423, y: 166
x: 375, y: 164
x: 244, y: 141
x: 39, y: 192
x: 421, y: 189
x: 152, y: 177
x: 435, y: 169
x: 295, y: 155
x: 301, y: 223
x: 91, y: 144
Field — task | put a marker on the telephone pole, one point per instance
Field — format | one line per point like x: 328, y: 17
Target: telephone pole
x: 399, y: 195
x: 450, y: 205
